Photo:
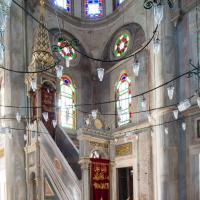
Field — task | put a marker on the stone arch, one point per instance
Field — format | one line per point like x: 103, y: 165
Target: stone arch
x: 101, y: 152
x: 137, y: 38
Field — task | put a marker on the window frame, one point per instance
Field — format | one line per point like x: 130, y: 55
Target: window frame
x: 74, y: 113
x: 125, y: 91
x: 96, y: 17
x: 63, y: 10
x: 115, y: 4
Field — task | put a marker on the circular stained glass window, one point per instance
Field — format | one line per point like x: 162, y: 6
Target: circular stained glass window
x: 65, y: 50
x: 121, y: 45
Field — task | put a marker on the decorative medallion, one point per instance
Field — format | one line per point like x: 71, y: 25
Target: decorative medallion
x: 66, y: 50
x: 98, y: 124
x: 57, y: 165
x: 121, y: 45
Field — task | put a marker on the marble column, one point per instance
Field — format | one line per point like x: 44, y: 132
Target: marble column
x: 14, y: 94
x: 85, y: 167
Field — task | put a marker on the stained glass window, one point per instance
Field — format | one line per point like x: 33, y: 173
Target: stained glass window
x: 65, y: 50
x: 93, y: 8
x: 123, y: 97
x: 121, y: 45
x: 118, y: 2
x: 65, y: 4
x: 68, y: 111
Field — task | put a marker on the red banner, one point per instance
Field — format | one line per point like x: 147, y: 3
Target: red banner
x: 100, y: 181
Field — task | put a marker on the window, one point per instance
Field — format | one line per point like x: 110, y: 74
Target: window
x: 123, y: 97
x: 118, y: 2
x: 64, y: 4
x: 65, y: 50
x: 68, y: 112
x: 93, y: 8
x: 121, y: 45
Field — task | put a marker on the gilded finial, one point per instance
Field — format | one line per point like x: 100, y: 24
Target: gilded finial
x: 42, y: 8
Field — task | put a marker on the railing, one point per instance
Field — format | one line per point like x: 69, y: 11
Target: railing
x: 54, y: 161
x: 69, y: 150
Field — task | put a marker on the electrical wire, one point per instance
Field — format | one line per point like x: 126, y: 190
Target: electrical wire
x: 103, y: 114
x: 28, y: 72
x: 85, y: 55
x: 135, y: 131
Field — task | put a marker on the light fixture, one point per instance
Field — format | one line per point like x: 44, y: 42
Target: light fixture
x: 198, y: 101
x: 6, y: 2
x: 2, y: 54
x: 34, y: 84
x: 59, y: 71
x: 100, y: 72
x: 143, y: 103
x: 184, y: 105
x: 3, y: 19
x: 136, y: 67
x: 54, y: 123
x: 175, y: 112
x: 4, y: 10
x: 170, y: 92
x: 59, y: 102
x: 183, y: 126
x: 156, y: 45
x: 198, y: 97
x: 87, y: 121
x: 158, y: 13
x: 166, y: 131
x: 45, y: 116
x: 67, y: 62
x: 25, y: 137
x: 149, y: 117
x: 18, y: 117
x: 94, y: 114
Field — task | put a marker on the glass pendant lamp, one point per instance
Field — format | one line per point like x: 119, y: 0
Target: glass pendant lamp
x: 100, y: 72
x: 158, y: 13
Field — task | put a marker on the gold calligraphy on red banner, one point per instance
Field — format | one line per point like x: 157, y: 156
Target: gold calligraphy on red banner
x: 100, y: 181
x: 101, y: 186
x: 100, y: 172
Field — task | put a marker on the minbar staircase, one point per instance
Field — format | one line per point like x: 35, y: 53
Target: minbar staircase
x: 56, y: 161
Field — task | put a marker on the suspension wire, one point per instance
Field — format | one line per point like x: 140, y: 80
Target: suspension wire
x: 105, y: 114
x: 85, y: 55
x: 124, y: 133
x: 113, y: 101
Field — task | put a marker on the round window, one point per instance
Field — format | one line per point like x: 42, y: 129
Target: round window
x: 121, y: 45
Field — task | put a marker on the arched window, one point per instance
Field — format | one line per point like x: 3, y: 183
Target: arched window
x: 117, y: 3
x: 93, y: 8
x: 123, y: 97
x: 64, y: 4
x: 68, y: 96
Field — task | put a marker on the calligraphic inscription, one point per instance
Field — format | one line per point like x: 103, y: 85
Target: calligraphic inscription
x: 96, y: 144
x: 57, y: 164
x: 100, y: 179
x: 1, y: 153
x: 123, y: 149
